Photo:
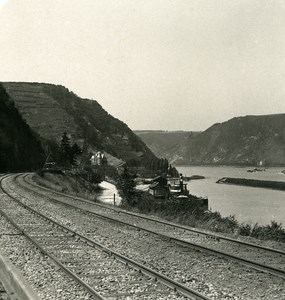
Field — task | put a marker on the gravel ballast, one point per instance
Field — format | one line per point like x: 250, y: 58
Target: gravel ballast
x: 215, y: 277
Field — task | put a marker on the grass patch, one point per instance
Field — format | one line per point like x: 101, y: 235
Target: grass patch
x: 267, y: 232
x: 68, y: 184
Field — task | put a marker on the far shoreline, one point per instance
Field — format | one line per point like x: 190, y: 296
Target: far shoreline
x: 230, y: 166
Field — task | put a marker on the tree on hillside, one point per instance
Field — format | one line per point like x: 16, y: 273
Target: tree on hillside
x: 126, y: 186
x: 172, y: 171
x: 158, y: 165
x: 64, y: 150
x: 93, y: 175
x: 67, y: 153
x: 75, y: 151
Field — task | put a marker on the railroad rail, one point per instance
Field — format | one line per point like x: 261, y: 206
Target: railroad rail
x: 106, y: 274
x: 13, y: 285
x: 180, y: 235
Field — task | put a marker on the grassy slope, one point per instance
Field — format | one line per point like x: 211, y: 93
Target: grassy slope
x: 70, y: 185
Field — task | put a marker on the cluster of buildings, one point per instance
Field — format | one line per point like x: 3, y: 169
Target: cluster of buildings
x: 163, y: 187
x: 174, y: 188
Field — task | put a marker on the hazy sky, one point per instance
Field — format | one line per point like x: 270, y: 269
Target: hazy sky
x: 154, y: 64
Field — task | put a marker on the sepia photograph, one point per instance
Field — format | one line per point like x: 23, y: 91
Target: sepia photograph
x: 142, y: 149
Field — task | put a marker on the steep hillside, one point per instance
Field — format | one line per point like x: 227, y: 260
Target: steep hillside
x: 50, y: 110
x: 239, y: 141
x: 19, y: 147
x: 164, y: 143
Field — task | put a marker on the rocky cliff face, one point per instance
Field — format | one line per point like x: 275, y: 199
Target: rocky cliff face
x: 50, y: 110
x: 239, y: 141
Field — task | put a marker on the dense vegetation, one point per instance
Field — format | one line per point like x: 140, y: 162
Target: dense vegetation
x: 67, y: 153
x: 159, y: 166
x: 51, y: 109
x: 19, y: 148
x: 69, y: 126
x: 126, y: 187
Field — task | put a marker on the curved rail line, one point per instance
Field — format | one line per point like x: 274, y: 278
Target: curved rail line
x: 187, y: 228
x: 164, y: 280
x: 253, y: 264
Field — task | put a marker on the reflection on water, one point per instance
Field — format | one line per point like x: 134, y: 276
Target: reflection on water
x: 248, y: 204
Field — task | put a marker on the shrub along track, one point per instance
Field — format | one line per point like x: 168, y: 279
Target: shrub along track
x: 104, y: 273
x: 252, y: 255
x: 218, y: 278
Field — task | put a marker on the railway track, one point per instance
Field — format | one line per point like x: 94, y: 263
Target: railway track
x: 260, y: 258
x: 104, y: 273
x: 13, y: 285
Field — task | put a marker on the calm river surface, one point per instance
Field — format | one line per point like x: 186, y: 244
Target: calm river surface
x: 248, y: 204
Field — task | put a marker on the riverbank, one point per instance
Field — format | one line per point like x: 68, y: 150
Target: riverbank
x: 180, y: 211
x: 188, y: 212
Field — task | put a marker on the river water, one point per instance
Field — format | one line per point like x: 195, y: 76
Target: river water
x: 248, y: 204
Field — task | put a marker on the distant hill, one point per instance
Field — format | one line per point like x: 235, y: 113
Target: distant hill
x: 239, y: 141
x: 164, y: 144
x: 51, y: 109
x: 20, y: 149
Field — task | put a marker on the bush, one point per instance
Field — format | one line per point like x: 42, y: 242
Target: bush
x: 111, y: 172
x: 244, y: 229
x: 272, y: 231
x: 93, y: 175
x: 126, y: 186
x: 231, y: 223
